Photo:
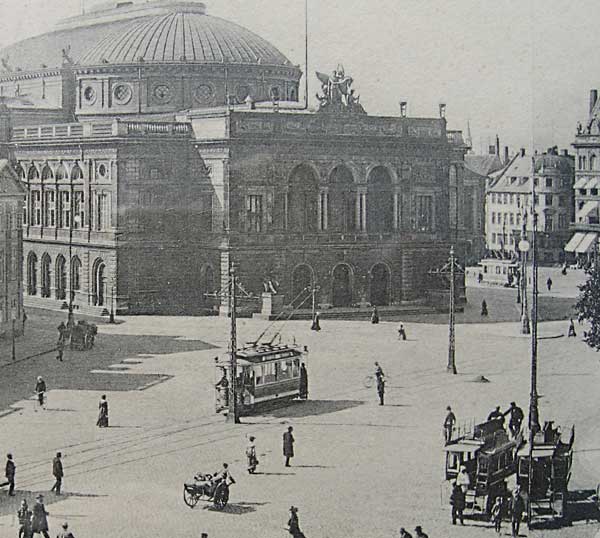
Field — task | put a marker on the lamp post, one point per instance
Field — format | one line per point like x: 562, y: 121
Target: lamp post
x: 233, y: 414
x: 13, y: 318
x: 72, y: 221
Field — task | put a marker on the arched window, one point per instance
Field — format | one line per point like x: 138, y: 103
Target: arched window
x: 32, y: 274
x: 75, y: 282
x: 380, y: 201
x: 303, y: 198
x: 20, y: 172
x: 342, y: 201
x: 46, y: 282
x: 47, y: 173
x: 33, y: 173
x: 61, y: 173
x: 76, y: 173
x: 60, y: 274
x: 98, y: 283
x: 592, y: 162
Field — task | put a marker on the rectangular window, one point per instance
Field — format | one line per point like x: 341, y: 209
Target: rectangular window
x: 549, y: 224
x: 206, y: 212
x: 132, y: 169
x: 37, y: 208
x: 549, y: 199
x: 102, y: 211
x: 536, y: 181
x: 78, y: 210
x: 562, y: 221
x: 64, y: 209
x: 26, y: 206
x: 512, y: 218
x: 549, y: 182
x: 424, y: 213
x: 518, y: 218
x: 50, y: 209
x: 285, y: 370
x: 254, y: 213
x: 493, y: 218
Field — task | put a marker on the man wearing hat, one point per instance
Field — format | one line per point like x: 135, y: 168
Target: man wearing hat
x: 57, y: 471
x: 517, y: 507
x: 66, y: 533
x: 294, y: 524
x: 9, y: 473
x: 419, y: 532
x: 39, y: 522
x: 288, y: 445
x: 404, y: 533
x: 449, y: 423
x: 516, y: 418
x: 24, y: 516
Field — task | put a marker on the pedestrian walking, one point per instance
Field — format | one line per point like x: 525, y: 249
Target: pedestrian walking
x: 381, y: 389
x: 288, y: 445
x: 294, y: 523
x: 419, y: 532
x: 40, y: 390
x: 516, y: 418
x: 9, y: 473
x: 303, y: 389
x: 39, y: 521
x: 497, y: 514
x: 375, y: 316
x: 549, y: 284
x: 102, y: 421
x: 24, y: 516
x: 401, y: 332
x: 484, y: 308
x: 517, y: 507
x: 251, y: 455
x: 404, y: 533
x: 57, y: 472
x: 480, y: 278
x: 65, y: 533
x: 60, y: 349
x: 457, y: 501
x: 24, y: 319
x: 449, y: 423
x: 572, y: 328
x: 316, y: 326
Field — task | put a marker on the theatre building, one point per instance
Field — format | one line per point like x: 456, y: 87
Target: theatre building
x: 158, y: 145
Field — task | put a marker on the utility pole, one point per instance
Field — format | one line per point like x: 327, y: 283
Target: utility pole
x: 523, y: 249
x: 534, y: 421
x: 451, y: 270
x: 233, y: 414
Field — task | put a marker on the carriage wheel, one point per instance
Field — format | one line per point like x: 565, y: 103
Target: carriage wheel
x: 368, y: 381
x: 221, y: 497
x: 190, y: 498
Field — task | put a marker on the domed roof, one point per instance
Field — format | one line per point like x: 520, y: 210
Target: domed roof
x: 183, y: 36
x: 155, y: 31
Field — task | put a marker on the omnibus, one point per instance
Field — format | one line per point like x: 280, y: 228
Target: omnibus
x: 266, y: 373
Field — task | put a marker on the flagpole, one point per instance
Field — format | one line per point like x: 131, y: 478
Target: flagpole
x: 306, y: 54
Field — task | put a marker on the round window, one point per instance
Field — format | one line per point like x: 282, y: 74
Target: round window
x: 89, y: 94
x: 203, y: 93
x: 122, y: 93
x: 102, y: 170
x: 162, y: 93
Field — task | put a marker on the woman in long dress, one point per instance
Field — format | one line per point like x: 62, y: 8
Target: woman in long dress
x: 102, y: 421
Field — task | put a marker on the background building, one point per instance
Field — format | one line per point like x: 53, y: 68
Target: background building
x: 12, y: 197
x: 508, y: 205
x: 157, y: 145
x: 586, y: 225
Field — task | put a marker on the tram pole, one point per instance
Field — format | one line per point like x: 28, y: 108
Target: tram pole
x: 233, y: 414
x: 451, y: 368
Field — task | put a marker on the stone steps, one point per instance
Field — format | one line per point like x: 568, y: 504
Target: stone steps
x: 32, y: 301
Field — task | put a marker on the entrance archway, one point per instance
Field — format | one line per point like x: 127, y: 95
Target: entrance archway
x: 46, y: 283
x: 303, y: 196
x: 75, y: 277
x: 32, y: 274
x: 60, y: 274
x: 342, y: 285
x: 98, y: 283
x: 302, y: 282
x: 380, y: 201
x: 380, y: 285
x: 342, y: 200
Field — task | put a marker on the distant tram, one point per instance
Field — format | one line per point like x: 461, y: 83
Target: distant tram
x: 550, y: 473
x: 489, y: 457
x: 266, y: 374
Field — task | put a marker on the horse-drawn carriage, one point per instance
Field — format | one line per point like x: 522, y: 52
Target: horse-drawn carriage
x: 83, y: 335
x: 206, y: 488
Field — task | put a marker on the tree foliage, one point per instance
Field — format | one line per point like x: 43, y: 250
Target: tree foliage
x: 588, y: 307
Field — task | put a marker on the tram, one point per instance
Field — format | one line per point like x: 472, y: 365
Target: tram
x: 489, y: 457
x: 266, y: 374
x: 550, y: 474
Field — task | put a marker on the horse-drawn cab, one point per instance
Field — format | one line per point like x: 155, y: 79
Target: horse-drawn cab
x: 549, y: 474
x: 489, y: 457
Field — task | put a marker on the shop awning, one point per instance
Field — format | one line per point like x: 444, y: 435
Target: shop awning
x: 587, y: 244
x: 586, y: 210
x: 574, y: 242
x: 592, y: 183
x: 581, y: 183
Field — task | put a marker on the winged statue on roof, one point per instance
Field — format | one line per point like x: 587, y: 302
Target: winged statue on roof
x: 337, y: 92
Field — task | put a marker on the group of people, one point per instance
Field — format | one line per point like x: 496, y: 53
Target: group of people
x: 35, y: 521
x: 80, y: 335
x: 419, y: 533
x: 515, y: 420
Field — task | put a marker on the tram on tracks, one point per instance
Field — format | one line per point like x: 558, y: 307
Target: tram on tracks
x: 549, y: 474
x: 489, y: 457
x: 267, y: 375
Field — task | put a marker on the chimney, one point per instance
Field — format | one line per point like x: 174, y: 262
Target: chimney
x: 497, y: 146
x: 403, y: 107
x: 593, y: 99
x: 522, y: 152
x: 505, y: 154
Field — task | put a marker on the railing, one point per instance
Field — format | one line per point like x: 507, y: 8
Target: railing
x: 102, y: 129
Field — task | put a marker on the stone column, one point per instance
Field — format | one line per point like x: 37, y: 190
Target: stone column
x: 325, y: 210
x: 396, y: 212
x: 357, y: 218
x: 320, y: 212
x: 363, y: 224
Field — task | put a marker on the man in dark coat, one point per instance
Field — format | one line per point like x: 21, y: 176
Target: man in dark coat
x: 57, y: 471
x: 375, y: 316
x: 404, y: 533
x: 484, y: 308
x: 419, y: 532
x: 39, y: 522
x: 40, y: 390
x: 65, y: 533
x: 102, y: 421
x: 303, y: 389
x: 288, y: 445
x: 9, y: 473
x: 294, y: 524
x: 549, y: 284
x: 517, y: 507
x: 496, y: 414
x: 316, y: 322
x: 24, y: 516
x: 381, y: 389
x: 449, y: 423
x: 516, y: 418
x: 457, y: 500
x: 572, y: 332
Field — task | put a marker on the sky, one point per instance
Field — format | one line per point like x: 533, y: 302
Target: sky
x: 516, y: 68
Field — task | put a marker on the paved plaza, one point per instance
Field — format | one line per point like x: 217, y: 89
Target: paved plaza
x: 360, y: 469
